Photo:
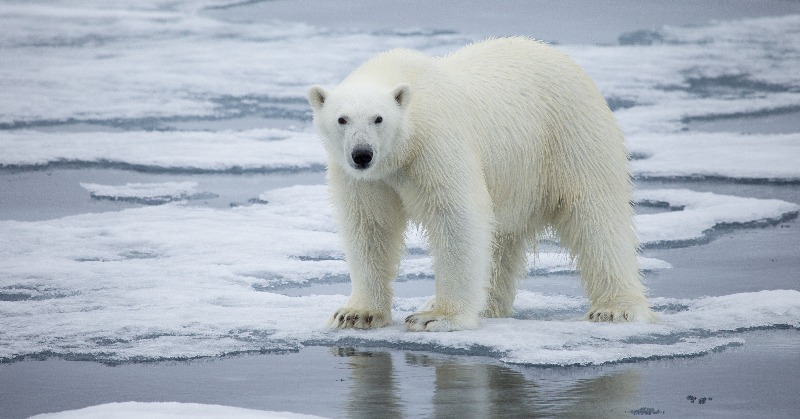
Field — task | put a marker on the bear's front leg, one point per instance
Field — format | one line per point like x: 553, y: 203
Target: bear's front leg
x: 371, y: 223
x: 459, y: 231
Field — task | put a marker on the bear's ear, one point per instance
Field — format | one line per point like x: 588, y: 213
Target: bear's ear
x: 402, y: 94
x: 316, y: 96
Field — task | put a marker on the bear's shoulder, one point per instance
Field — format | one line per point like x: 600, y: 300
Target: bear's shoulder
x: 392, y: 67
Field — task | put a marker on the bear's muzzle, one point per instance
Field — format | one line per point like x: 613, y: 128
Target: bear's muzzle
x: 361, y: 156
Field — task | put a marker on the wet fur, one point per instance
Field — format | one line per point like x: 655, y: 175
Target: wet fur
x: 486, y: 148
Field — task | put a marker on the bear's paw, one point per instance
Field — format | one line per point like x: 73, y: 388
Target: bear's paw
x: 352, y: 318
x: 433, y: 321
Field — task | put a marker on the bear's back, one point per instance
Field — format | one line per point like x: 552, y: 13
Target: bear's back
x: 524, y: 108
x: 519, y: 68
x: 393, y: 67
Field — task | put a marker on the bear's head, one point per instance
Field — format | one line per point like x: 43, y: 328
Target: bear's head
x: 365, y: 128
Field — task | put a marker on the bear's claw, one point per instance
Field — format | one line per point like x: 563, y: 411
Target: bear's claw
x: 349, y: 318
x: 619, y: 315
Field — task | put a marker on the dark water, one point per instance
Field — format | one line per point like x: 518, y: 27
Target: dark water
x: 54, y: 193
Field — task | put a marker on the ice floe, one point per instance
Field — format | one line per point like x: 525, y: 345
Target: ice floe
x: 179, y: 281
x: 766, y: 158
x: 127, y: 60
x: 753, y: 157
x: 261, y: 150
x: 699, y: 212
x: 166, y: 61
x: 147, y: 193
x: 169, y: 410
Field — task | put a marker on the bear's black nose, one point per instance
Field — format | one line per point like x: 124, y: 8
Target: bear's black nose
x: 362, y: 156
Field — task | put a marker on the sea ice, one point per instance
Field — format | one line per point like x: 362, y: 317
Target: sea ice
x: 261, y: 150
x: 717, y: 155
x: 171, y: 410
x: 147, y: 193
x: 179, y: 281
x: 109, y: 64
x: 699, y: 212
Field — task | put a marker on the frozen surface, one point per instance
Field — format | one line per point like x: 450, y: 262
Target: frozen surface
x: 178, y: 281
x: 754, y: 157
x: 98, y: 67
x: 147, y: 193
x: 260, y: 150
x: 136, y: 410
x: 695, y: 213
x: 758, y: 157
x: 161, y: 64
x: 154, y: 59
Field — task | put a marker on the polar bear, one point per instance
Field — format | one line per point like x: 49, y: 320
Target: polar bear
x: 486, y: 149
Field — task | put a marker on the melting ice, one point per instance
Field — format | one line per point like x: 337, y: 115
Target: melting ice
x: 83, y: 85
x: 176, y: 281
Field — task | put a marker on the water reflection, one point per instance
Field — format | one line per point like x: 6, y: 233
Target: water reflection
x: 374, y: 390
x: 467, y: 389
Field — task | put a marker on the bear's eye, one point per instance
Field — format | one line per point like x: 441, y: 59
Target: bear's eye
x: 378, y: 119
x: 342, y: 121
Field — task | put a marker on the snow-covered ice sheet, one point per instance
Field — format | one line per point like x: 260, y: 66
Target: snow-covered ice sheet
x: 179, y: 281
x: 82, y: 60
x: 261, y: 150
x: 759, y: 157
x: 122, y: 62
x: 138, y: 410
x: 166, y: 58
x: 698, y: 212
x: 717, y: 155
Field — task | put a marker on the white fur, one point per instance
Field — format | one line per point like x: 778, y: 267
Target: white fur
x: 486, y: 148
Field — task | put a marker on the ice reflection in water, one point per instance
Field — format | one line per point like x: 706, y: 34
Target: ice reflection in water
x: 462, y: 388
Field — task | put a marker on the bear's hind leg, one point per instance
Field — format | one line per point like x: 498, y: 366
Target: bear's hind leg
x: 602, y: 238
x: 508, y: 263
